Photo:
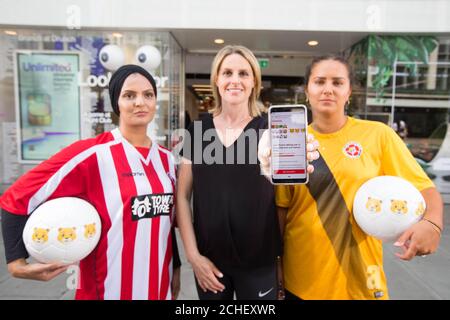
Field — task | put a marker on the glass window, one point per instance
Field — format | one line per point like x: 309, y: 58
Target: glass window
x: 53, y: 86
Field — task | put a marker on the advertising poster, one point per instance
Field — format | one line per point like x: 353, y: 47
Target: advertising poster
x: 47, y: 102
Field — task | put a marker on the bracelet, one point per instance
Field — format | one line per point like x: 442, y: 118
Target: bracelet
x: 439, y: 230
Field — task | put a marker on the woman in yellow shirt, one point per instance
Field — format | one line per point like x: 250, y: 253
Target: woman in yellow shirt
x: 326, y: 254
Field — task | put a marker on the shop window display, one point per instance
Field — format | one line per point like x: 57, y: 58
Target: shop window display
x: 53, y: 86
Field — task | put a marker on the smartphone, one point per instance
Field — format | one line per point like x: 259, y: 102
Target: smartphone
x: 287, y: 125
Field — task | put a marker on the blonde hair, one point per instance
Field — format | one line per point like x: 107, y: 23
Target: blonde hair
x: 254, y: 108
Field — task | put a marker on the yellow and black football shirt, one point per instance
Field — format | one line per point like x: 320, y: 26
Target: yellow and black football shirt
x: 326, y: 254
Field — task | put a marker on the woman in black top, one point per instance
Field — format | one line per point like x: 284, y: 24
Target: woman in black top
x: 235, y: 240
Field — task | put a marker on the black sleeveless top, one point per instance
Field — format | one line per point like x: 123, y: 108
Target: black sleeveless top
x: 235, y: 220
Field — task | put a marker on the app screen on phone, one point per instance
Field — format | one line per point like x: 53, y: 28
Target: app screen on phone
x: 288, y: 130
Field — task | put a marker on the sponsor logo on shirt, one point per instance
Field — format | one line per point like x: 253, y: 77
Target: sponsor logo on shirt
x: 132, y: 174
x: 352, y: 150
x: 265, y: 293
x: 151, y: 205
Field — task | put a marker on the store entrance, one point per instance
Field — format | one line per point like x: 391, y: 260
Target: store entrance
x: 282, y: 80
x: 275, y: 90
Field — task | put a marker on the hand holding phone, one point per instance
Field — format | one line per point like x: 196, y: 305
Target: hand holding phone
x: 287, y: 125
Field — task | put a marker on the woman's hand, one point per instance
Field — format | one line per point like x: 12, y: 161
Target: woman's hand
x: 35, y: 271
x: 264, y: 152
x: 207, y: 274
x: 419, y: 240
x: 176, y: 283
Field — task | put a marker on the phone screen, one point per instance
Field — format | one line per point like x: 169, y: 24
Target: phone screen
x: 288, y: 140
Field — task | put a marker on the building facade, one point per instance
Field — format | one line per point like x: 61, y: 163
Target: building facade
x: 57, y: 56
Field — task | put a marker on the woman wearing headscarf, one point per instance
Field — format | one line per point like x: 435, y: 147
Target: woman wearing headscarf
x: 115, y: 172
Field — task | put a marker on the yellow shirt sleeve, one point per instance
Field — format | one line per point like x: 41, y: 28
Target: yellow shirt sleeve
x: 397, y: 160
x: 283, y: 195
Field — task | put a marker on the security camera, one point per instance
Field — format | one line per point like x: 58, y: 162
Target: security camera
x: 148, y: 57
x: 111, y: 57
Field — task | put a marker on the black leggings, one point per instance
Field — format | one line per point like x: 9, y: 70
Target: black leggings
x: 247, y: 284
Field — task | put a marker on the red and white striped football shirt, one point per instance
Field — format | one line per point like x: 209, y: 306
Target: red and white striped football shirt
x: 133, y: 259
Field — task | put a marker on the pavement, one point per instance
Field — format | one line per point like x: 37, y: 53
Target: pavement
x: 422, y: 278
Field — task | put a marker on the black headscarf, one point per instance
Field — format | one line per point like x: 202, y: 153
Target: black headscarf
x: 119, y: 77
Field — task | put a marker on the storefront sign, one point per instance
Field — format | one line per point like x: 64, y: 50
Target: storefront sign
x: 263, y: 63
x: 103, y: 80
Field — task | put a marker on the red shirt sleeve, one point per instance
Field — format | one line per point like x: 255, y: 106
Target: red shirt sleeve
x: 60, y: 176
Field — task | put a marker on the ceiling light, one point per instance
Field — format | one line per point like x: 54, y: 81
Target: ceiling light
x: 313, y: 43
x: 11, y: 32
x: 117, y: 35
x: 219, y: 41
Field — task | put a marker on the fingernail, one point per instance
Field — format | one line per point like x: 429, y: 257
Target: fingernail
x: 398, y: 244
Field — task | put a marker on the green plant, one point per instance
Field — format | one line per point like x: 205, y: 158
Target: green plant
x: 383, y: 51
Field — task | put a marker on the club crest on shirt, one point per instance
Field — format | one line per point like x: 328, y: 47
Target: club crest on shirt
x: 151, y: 205
x: 352, y: 150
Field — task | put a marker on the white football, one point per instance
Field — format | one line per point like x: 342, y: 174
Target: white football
x: 62, y: 230
x: 384, y: 207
